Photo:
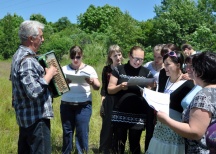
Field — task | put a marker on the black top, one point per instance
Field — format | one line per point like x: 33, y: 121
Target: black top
x: 106, y: 73
x: 162, y: 79
x: 177, y: 95
x: 130, y: 103
x: 124, y: 72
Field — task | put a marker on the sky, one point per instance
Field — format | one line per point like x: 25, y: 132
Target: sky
x: 53, y: 10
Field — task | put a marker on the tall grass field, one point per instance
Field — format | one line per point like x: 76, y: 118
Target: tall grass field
x: 9, y: 127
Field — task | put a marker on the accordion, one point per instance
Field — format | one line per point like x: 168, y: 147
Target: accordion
x: 58, y: 84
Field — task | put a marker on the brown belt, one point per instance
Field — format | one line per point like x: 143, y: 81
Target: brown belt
x: 76, y: 103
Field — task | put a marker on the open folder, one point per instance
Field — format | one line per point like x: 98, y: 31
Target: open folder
x: 78, y: 78
x: 156, y: 100
x: 140, y: 81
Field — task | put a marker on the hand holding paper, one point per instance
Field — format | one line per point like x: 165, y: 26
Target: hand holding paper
x: 156, y: 100
x: 162, y: 117
x: 78, y: 78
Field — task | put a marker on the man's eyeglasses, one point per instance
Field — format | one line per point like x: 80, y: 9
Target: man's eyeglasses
x: 137, y: 59
x: 76, y: 57
x: 172, y: 54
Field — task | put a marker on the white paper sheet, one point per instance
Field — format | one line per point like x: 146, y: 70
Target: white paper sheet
x: 78, y: 78
x: 156, y: 100
x: 140, y: 81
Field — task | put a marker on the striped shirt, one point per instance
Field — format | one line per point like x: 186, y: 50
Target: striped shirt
x: 31, y: 97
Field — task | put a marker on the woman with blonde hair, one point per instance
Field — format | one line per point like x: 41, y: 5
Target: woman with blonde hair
x: 114, y: 58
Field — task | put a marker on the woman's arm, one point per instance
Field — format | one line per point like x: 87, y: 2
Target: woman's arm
x: 102, y: 108
x: 104, y: 80
x: 195, y: 129
x: 96, y: 84
x: 113, y: 88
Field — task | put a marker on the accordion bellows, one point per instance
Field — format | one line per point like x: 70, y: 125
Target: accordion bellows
x: 58, y: 84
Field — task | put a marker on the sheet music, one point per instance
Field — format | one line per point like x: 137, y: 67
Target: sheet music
x: 156, y: 100
x: 140, y: 81
x: 78, y: 78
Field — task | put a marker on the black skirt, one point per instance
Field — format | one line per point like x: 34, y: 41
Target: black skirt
x: 130, y: 112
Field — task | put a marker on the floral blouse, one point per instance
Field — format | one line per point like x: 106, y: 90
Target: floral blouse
x: 205, y: 99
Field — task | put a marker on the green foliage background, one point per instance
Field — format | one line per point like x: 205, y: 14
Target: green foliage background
x: 176, y: 21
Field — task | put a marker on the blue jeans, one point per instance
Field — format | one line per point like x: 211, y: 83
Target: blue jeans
x: 75, y: 118
x: 35, y: 139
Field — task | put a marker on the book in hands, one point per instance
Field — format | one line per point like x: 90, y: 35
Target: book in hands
x: 78, y: 78
x: 156, y: 100
x: 140, y: 81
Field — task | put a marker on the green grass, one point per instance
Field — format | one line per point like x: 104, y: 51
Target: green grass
x: 9, y: 127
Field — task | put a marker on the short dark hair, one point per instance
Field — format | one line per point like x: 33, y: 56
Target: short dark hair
x: 204, y: 65
x: 75, y: 50
x: 167, y: 47
x: 184, y: 46
x: 135, y: 48
x: 189, y: 58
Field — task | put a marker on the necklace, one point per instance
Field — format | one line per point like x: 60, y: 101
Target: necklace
x: 112, y: 66
x: 82, y: 65
x: 167, y: 83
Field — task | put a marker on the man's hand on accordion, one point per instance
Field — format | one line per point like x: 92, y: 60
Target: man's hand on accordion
x: 50, y: 73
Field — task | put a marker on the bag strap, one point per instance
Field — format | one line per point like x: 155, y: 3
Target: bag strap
x: 122, y: 98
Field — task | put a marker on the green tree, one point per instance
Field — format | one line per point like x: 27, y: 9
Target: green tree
x: 38, y: 17
x: 62, y: 24
x: 203, y: 39
x: 97, y: 19
x: 208, y: 9
x: 176, y: 20
x: 147, y: 33
x: 126, y: 32
x: 9, y: 35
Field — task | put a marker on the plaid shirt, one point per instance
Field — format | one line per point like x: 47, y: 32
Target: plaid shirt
x: 31, y: 97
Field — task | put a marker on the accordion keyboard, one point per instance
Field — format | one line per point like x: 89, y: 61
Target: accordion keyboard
x: 58, y: 84
x: 59, y: 78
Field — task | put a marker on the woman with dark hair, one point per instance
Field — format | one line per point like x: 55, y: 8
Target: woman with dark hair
x: 76, y: 105
x: 162, y: 78
x: 189, y: 97
x: 165, y: 140
x: 201, y: 113
x: 167, y: 48
x: 131, y: 114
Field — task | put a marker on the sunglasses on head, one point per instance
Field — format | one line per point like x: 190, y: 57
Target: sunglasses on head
x: 172, y: 54
x: 76, y: 57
